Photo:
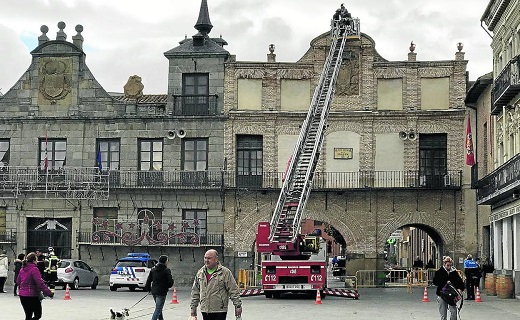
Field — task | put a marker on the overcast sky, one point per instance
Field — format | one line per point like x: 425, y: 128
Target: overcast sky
x: 127, y: 37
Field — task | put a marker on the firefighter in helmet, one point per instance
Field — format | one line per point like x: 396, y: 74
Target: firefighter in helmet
x: 51, y: 269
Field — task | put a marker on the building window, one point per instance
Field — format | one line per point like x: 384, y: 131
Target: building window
x: 195, y: 91
x: 150, y: 162
x: 432, y: 159
x: 249, y: 160
x: 194, y: 161
x: 107, y: 157
x: 150, y: 154
x: 4, y: 154
x: 105, y: 217
x: 195, y: 220
x: 52, y: 154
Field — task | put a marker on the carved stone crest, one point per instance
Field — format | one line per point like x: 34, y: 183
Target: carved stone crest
x: 134, y: 87
x: 54, y: 84
x: 348, y: 77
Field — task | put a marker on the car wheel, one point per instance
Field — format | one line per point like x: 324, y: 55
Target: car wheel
x: 132, y: 288
x: 94, y: 284
x: 113, y: 288
x: 75, y: 284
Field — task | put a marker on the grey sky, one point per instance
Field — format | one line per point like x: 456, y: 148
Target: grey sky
x: 127, y: 37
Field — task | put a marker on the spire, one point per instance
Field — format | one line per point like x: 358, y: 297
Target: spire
x: 203, y: 24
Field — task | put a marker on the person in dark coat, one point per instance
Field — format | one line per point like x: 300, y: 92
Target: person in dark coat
x: 17, y: 267
x: 159, y: 281
x: 447, y: 274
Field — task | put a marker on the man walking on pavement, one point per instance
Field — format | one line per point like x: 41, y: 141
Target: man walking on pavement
x: 213, y: 287
x: 158, y: 282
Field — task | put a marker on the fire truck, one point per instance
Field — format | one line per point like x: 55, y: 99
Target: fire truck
x: 295, y: 262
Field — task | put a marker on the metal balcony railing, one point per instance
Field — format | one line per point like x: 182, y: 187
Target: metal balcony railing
x: 8, y: 236
x: 70, y: 182
x: 500, y: 184
x: 148, y: 232
x: 88, y: 182
x: 506, y: 86
x: 451, y: 179
x: 195, y: 105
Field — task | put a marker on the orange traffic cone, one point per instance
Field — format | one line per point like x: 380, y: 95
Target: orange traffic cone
x: 318, y: 297
x: 425, y: 296
x: 478, y: 299
x: 67, y: 293
x: 174, y: 296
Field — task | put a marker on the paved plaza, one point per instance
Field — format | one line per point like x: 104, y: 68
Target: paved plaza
x: 376, y: 303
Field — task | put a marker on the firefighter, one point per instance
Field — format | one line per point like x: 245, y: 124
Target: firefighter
x: 51, y: 269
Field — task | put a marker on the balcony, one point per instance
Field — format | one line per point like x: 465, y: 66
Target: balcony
x: 148, y: 232
x: 69, y: 182
x: 507, y: 86
x: 451, y: 179
x: 8, y: 236
x: 500, y: 185
x: 195, y: 105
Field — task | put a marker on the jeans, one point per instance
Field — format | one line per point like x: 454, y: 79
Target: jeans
x: 159, y: 304
x: 443, y: 310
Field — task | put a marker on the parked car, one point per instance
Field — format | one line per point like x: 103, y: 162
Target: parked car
x: 76, y: 273
x: 131, y: 271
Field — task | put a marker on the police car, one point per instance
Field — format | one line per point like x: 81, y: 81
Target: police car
x: 131, y: 271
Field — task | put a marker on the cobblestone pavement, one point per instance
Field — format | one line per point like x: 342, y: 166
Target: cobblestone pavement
x: 376, y: 303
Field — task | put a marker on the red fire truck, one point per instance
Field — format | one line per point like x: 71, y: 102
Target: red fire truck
x: 296, y: 262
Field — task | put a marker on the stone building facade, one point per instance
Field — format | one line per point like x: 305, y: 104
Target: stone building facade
x: 499, y: 189
x: 98, y: 175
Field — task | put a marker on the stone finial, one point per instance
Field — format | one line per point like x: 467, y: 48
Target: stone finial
x: 412, y: 46
x: 203, y: 24
x: 460, y: 46
x: 271, y: 56
x: 134, y: 87
x: 60, y: 35
x: 43, y: 38
x: 78, y: 38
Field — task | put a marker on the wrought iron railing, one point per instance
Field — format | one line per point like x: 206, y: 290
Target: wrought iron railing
x: 195, y: 105
x: 71, y: 182
x: 506, y: 86
x: 89, y: 182
x: 501, y: 183
x: 148, y: 232
x: 8, y: 236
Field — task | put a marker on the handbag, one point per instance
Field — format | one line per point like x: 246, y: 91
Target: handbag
x: 450, y: 294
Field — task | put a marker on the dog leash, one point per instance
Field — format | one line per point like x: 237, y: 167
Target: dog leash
x: 139, y: 300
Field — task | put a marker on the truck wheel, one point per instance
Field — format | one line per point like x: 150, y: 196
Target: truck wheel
x: 268, y: 295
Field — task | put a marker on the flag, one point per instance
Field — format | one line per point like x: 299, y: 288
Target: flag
x: 45, y: 156
x: 470, y: 157
x: 99, y: 164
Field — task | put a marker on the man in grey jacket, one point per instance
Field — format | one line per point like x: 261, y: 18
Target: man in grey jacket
x: 213, y: 287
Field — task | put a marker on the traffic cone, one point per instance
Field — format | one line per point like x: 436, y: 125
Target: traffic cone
x: 174, y: 296
x: 318, y: 297
x: 67, y: 293
x: 425, y: 296
x: 478, y: 299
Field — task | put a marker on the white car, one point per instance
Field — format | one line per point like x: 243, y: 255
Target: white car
x: 76, y: 273
x: 131, y: 271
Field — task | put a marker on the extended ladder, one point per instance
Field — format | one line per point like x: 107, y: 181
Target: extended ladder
x: 287, y: 215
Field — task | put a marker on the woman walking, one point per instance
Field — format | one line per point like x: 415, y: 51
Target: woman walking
x: 17, y: 267
x: 30, y: 285
x: 4, y: 267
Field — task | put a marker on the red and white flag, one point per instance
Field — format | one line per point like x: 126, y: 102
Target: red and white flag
x: 470, y: 157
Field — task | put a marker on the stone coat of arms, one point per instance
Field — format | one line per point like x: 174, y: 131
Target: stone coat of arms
x: 54, y: 84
